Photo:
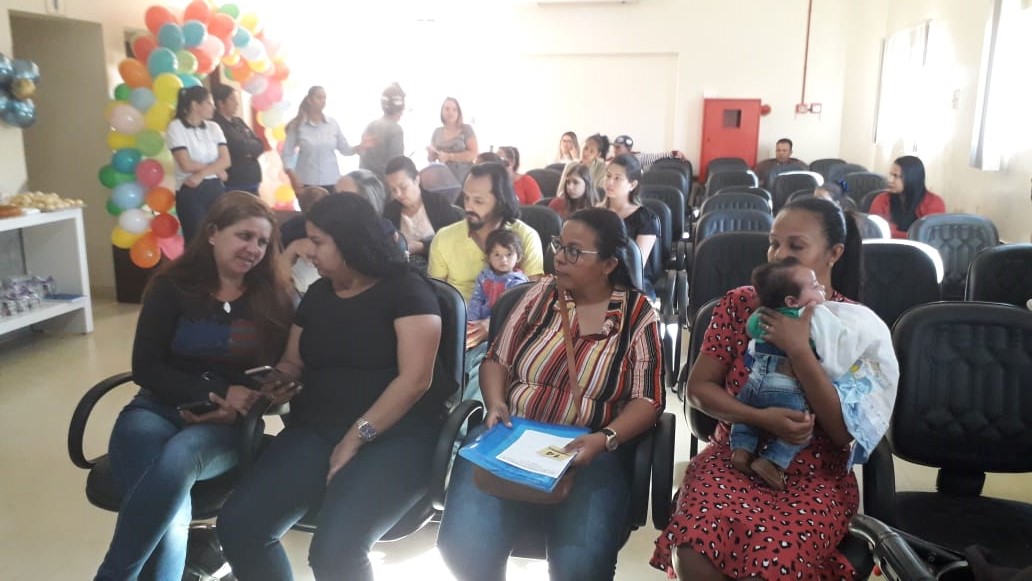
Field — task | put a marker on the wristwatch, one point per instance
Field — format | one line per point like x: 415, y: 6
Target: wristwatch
x: 366, y: 430
x: 611, y: 442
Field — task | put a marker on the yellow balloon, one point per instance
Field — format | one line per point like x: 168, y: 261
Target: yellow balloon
x: 159, y: 116
x: 166, y: 88
x: 123, y: 239
x: 284, y: 193
x: 249, y: 21
x: 117, y: 140
x: 260, y: 66
x: 232, y: 58
x: 164, y: 157
x: 279, y: 133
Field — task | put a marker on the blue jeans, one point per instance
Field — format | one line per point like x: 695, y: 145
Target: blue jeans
x: 192, y: 205
x: 367, y: 497
x: 585, y: 532
x: 155, y: 459
x: 767, y: 388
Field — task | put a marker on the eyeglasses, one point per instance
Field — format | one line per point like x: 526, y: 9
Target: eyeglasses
x: 573, y: 253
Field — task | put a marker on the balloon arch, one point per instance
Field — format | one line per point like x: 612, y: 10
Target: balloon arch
x: 180, y: 50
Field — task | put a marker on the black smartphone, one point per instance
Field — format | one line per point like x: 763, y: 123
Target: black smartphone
x: 259, y: 373
x: 199, y: 407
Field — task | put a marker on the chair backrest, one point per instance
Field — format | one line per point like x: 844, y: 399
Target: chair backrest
x: 856, y: 185
x: 837, y: 172
x: 557, y: 166
x: 720, y: 164
x: 544, y: 201
x: 722, y: 262
x: 718, y: 221
x: 756, y: 191
x: 547, y: 223
x: 673, y: 199
x: 722, y: 179
x: 547, y: 179
x: 898, y: 275
x: 685, y: 167
x: 732, y: 200
x: 799, y: 195
x: 1001, y: 274
x: 503, y: 307
x: 702, y: 425
x: 965, y: 387
x: 437, y: 178
x: 864, y: 204
x: 634, y: 265
x: 666, y: 177
x: 958, y: 238
x: 786, y: 183
x: 872, y: 227
x: 451, y: 353
x: 822, y: 166
x: 665, y: 241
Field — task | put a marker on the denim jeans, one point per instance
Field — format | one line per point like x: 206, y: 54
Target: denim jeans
x: 192, y: 205
x: 585, y: 532
x: 155, y: 459
x: 768, y: 388
x: 367, y: 497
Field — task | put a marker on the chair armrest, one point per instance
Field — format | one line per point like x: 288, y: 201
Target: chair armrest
x: 252, y: 428
x: 896, y: 558
x: 469, y: 413
x: 681, y: 253
x: 77, y: 427
x: 880, y: 485
x: 667, y: 302
x: 640, y: 478
x: 662, y: 469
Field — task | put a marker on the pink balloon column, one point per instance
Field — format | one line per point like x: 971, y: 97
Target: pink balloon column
x: 179, y: 51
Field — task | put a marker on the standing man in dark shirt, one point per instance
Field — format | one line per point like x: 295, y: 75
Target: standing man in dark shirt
x: 245, y: 173
x: 781, y: 162
x: 384, y: 137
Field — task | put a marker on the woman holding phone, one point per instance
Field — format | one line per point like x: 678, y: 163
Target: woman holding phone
x: 207, y: 317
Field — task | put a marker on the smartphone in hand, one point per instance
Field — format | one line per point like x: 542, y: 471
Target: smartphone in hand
x: 199, y: 407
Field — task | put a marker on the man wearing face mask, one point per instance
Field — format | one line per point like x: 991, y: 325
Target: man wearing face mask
x: 384, y: 137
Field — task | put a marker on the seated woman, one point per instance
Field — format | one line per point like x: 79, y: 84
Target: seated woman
x: 907, y: 198
x: 417, y: 214
x: 728, y: 524
x: 360, y: 435
x: 569, y: 149
x: 622, y: 177
x: 364, y: 183
x: 526, y: 187
x: 616, y: 335
x: 575, y: 191
x: 593, y: 155
x: 217, y: 310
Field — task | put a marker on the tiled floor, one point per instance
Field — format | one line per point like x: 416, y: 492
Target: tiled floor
x: 49, y: 531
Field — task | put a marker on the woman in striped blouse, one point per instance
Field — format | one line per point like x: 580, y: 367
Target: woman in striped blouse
x: 616, y: 339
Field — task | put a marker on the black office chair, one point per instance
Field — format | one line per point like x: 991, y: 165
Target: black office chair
x: 685, y: 167
x: 671, y: 285
x: 865, y: 201
x: 558, y: 166
x: 722, y: 179
x: 547, y: 180
x: 899, y: 275
x: 799, y: 195
x: 728, y: 199
x: 958, y: 238
x: 730, y: 220
x: 872, y: 227
x: 963, y: 407
x: 722, y: 262
x: 837, y: 172
x: 547, y: 223
x: 719, y: 164
x: 1002, y: 274
x: 653, y: 478
x: 666, y: 177
x: 789, y: 182
x: 856, y: 185
x: 823, y: 166
x: 437, y: 178
x: 756, y: 191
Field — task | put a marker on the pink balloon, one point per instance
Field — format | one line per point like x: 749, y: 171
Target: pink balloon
x: 126, y: 119
x: 172, y: 247
x: 272, y: 46
x: 150, y: 173
x: 213, y: 47
x: 274, y: 92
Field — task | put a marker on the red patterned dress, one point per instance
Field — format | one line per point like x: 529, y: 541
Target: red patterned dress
x: 743, y: 527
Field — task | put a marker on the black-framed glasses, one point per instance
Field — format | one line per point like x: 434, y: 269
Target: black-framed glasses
x: 573, y: 253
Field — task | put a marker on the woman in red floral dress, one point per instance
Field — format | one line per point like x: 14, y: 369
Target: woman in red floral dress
x: 727, y: 524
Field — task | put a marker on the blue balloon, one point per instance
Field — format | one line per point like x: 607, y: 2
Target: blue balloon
x: 162, y: 60
x: 170, y: 36
x: 6, y: 69
x: 128, y: 195
x: 189, y: 80
x: 142, y: 98
x: 24, y: 69
x: 5, y: 99
x: 126, y: 159
x: 20, y: 112
x: 193, y: 33
x: 242, y: 37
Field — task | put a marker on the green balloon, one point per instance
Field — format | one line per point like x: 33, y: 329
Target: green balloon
x: 149, y: 142
x: 112, y: 207
x: 111, y: 177
x: 232, y: 9
x: 122, y: 92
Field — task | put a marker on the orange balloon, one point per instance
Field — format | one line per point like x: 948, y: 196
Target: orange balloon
x: 161, y: 199
x: 197, y: 10
x: 157, y: 16
x: 142, y: 47
x: 241, y: 72
x: 222, y: 26
x: 282, y: 71
x: 204, y: 63
x: 145, y: 252
x: 134, y: 73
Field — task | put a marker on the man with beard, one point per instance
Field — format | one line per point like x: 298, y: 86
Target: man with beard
x: 457, y: 254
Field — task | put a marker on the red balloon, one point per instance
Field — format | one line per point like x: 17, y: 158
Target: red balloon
x: 205, y: 64
x: 281, y: 71
x: 149, y: 173
x: 197, y: 10
x: 144, y: 252
x: 222, y: 26
x: 157, y: 16
x: 164, y: 226
x: 142, y: 47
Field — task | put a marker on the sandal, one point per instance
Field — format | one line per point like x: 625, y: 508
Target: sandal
x: 741, y: 459
x: 770, y: 473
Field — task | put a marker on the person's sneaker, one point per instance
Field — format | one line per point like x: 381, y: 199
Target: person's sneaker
x: 770, y: 473
x: 741, y: 459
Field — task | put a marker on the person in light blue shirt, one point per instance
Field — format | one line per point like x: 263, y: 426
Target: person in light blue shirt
x: 309, y: 151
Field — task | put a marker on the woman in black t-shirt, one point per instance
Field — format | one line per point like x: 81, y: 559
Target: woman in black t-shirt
x: 621, y: 185
x: 361, y: 433
x: 244, y: 173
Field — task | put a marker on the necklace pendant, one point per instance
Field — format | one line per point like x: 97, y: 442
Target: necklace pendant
x: 226, y: 307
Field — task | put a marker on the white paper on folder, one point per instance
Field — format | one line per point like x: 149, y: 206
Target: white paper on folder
x: 525, y: 453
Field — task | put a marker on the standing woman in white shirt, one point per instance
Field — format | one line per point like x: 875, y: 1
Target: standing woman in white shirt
x: 202, y: 157
x: 309, y: 157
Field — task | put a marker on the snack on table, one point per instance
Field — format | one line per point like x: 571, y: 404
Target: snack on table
x: 46, y: 202
x: 7, y: 211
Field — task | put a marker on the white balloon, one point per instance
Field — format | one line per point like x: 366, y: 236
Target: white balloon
x: 134, y: 221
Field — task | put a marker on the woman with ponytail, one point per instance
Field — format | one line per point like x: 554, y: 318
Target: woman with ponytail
x: 907, y: 199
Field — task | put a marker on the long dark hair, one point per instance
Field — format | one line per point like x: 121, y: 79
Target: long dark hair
x: 632, y: 169
x: 590, y: 197
x: 611, y: 235
x: 508, y: 205
x: 903, y: 207
x: 602, y: 142
x: 304, y: 110
x: 268, y: 288
x: 360, y: 235
x: 187, y: 97
x: 839, y: 228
